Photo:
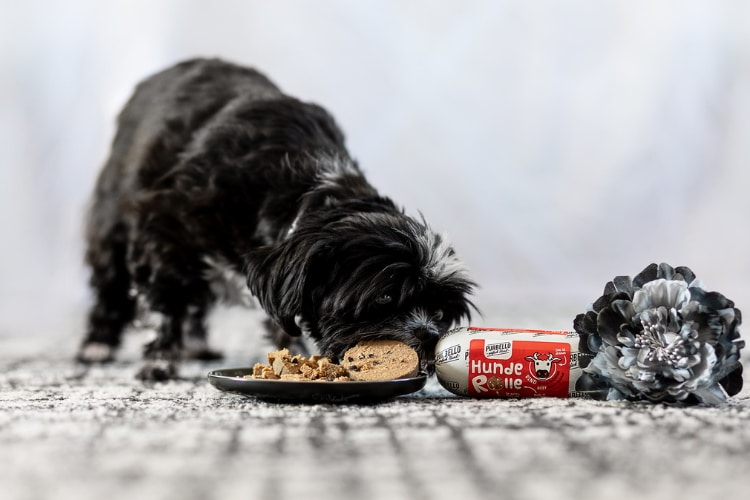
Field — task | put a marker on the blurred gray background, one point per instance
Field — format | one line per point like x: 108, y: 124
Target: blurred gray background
x: 558, y: 143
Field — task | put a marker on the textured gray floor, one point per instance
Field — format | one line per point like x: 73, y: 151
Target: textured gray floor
x: 72, y: 433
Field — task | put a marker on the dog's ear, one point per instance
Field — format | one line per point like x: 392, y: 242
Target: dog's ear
x: 277, y: 275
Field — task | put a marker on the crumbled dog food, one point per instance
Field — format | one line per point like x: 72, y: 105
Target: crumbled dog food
x: 381, y: 360
x: 283, y: 366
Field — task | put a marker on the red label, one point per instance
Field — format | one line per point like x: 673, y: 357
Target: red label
x: 518, y: 368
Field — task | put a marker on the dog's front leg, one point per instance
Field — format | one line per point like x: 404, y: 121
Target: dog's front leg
x: 162, y: 355
x: 171, y: 284
x: 195, y: 345
x: 181, y: 306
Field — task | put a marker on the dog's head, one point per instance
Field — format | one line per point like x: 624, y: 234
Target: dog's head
x: 363, y: 276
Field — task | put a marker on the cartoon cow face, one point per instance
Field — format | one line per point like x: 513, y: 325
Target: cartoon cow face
x: 542, y: 367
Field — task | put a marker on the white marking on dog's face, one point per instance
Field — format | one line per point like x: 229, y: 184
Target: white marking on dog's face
x: 442, y: 262
x: 418, y: 318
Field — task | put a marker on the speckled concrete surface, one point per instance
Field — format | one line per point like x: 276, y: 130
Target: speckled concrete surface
x: 69, y: 432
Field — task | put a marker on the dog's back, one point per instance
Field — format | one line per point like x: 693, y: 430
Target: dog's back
x: 207, y: 126
x: 159, y: 120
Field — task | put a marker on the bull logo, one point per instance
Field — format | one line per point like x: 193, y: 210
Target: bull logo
x: 542, y: 366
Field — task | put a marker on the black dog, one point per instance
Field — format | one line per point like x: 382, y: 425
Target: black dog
x: 215, y: 175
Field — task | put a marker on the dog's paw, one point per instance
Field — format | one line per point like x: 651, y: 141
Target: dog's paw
x: 157, y: 370
x: 96, y: 352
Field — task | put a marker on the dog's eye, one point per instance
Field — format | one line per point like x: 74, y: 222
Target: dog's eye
x: 384, y: 299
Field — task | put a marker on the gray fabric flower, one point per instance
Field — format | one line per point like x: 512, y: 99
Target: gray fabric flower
x: 661, y: 337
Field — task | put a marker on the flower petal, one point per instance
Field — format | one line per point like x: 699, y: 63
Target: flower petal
x: 641, y: 301
x: 624, y: 308
x: 732, y: 383
x: 667, y: 293
x: 711, y: 300
x: 608, y: 325
x: 648, y: 274
x: 665, y: 271
x: 594, y: 343
x: 628, y: 358
x: 684, y: 273
x: 619, y: 284
x: 585, y: 322
x: 711, y: 395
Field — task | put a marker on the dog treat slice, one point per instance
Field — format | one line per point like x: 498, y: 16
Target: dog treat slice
x: 381, y: 360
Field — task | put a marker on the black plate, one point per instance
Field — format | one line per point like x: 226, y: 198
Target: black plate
x: 291, y: 391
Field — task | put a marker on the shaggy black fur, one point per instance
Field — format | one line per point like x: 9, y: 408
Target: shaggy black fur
x: 215, y: 172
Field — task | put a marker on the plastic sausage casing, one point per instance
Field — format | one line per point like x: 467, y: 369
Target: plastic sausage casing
x: 506, y: 362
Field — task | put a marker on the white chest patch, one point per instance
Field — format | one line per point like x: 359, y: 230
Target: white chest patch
x: 227, y: 284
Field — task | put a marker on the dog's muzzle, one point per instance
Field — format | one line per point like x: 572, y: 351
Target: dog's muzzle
x: 427, y: 336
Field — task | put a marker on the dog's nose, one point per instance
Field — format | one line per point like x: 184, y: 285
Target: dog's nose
x: 422, y: 333
x: 425, y: 333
